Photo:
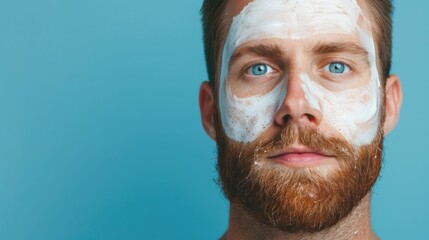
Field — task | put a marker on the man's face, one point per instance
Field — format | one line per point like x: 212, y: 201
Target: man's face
x: 299, y: 134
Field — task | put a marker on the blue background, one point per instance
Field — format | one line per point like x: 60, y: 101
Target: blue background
x: 100, y: 135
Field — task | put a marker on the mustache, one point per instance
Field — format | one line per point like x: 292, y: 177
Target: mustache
x: 305, y: 136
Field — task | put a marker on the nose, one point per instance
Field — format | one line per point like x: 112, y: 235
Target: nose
x: 295, y: 107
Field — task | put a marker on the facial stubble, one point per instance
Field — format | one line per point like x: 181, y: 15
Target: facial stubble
x: 297, y: 199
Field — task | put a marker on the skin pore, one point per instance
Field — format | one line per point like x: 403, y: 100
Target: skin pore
x: 325, y: 78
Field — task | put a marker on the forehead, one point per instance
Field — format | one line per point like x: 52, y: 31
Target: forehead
x: 293, y: 19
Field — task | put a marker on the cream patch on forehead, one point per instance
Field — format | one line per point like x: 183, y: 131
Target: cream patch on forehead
x: 295, y: 19
x: 292, y: 19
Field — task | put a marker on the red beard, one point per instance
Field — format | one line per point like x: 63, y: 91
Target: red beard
x: 297, y: 199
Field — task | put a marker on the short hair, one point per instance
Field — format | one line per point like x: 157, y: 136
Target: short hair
x: 214, y: 33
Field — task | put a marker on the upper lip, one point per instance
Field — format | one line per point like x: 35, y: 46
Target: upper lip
x: 299, y: 149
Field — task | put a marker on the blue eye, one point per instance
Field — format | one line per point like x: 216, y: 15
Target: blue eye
x: 337, y: 68
x: 260, y: 69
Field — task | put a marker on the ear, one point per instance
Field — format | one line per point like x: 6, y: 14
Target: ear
x: 393, y: 101
x: 206, y: 101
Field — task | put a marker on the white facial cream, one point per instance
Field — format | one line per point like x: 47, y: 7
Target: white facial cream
x: 347, y: 111
x: 354, y: 112
x: 245, y: 118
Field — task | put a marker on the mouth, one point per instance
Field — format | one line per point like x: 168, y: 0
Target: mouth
x: 302, y: 157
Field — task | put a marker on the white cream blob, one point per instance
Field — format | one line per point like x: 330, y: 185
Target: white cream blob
x: 354, y: 112
x: 347, y: 111
x: 245, y: 118
x: 292, y: 19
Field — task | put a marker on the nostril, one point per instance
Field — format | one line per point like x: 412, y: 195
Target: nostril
x: 310, y: 117
x: 286, y: 118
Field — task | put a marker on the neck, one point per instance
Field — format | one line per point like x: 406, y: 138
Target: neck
x: 355, y: 226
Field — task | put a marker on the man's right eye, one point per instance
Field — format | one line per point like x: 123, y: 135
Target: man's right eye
x: 259, y: 69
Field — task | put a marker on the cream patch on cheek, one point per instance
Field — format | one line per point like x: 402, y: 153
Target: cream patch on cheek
x: 354, y: 112
x: 244, y: 119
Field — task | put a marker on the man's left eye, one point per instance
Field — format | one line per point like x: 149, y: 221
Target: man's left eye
x: 259, y: 69
x: 337, y: 68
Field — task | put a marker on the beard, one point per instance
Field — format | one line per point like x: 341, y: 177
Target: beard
x: 297, y: 199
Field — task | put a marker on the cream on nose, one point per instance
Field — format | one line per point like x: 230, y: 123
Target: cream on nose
x: 295, y: 107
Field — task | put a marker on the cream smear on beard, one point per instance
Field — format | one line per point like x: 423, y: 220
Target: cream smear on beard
x: 244, y: 119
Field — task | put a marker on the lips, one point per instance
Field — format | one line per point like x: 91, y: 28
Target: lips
x: 301, y: 156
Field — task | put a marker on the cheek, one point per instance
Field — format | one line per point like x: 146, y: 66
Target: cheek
x: 353, y: 113
x: 244, y: 119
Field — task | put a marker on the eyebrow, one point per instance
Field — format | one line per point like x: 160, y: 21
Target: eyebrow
x: 321, y: 48
x: 265, y: 50
x: 273, y: 51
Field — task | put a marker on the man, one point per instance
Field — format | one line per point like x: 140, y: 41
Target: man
x: 299, y: 99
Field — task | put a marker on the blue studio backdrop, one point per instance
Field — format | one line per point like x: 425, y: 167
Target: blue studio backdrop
x: 100, y: 134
